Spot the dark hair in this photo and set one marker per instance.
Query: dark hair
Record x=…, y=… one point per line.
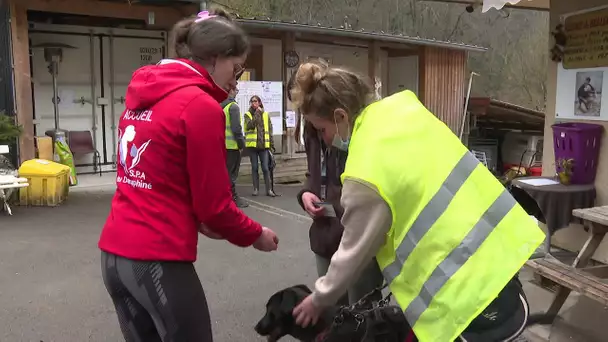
x=320, y=89
x=204, y=40
x=255, y=97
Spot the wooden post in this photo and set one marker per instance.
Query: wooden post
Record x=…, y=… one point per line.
x=23, y=79
x=288, y=43
x=443, y=84
x=421, y=74
x=374, y=65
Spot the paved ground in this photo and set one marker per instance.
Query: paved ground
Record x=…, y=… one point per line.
x=51, y=288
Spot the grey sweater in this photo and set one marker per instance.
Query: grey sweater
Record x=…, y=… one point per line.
x=235, y=122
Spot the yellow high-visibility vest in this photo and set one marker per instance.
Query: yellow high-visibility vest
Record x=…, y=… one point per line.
x=457, y=235
x=251, y=136
x=230, y=141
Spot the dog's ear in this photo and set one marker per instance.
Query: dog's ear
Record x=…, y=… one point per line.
x=303, y=288
x=275, y=299
x=289, y=301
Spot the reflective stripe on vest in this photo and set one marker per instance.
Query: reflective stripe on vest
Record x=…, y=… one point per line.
x=457, y=235
x=230, y=141
x=458, y=256
x=251, y=136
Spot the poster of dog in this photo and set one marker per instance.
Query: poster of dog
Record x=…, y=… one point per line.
x=588, y=97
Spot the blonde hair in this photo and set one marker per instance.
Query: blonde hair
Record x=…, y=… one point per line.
x=320, y=89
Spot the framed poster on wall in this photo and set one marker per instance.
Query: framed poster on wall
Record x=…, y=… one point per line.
x=580, y=94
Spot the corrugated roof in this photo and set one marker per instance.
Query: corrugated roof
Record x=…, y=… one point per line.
x=268, y=23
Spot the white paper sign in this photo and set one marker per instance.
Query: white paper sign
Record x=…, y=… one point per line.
x=539, y=181
x=66, y=98
x=271, y=94
x=290, y=119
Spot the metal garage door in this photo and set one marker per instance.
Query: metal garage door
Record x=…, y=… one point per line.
x=92, y=81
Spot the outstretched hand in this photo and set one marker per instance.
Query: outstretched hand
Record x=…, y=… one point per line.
x=267, y=242
x=307, y=313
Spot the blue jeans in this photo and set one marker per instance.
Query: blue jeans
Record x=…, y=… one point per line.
x=262, y=155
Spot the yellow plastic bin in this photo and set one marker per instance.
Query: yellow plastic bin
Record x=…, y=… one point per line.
x=49, y=183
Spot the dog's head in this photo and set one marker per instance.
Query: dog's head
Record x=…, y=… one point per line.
x=279, y=321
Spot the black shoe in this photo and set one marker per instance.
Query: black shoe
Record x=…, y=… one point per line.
x=240, y=202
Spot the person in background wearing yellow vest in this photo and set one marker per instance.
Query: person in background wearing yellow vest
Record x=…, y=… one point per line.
x=235, y=142
x=258, y=141
x=448, y=237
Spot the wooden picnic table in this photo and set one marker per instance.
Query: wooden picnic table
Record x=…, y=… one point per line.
x=588, y=281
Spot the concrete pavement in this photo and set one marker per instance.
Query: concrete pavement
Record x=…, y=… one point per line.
x=51, y=287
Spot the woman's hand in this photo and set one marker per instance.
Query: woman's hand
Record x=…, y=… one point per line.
x=307, y=313
x=309, y=199
x=209, y=233
x=267, y=242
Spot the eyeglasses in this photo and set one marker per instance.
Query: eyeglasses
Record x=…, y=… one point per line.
x=239, y=70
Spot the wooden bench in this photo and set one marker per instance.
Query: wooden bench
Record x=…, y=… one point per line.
x=587, y=281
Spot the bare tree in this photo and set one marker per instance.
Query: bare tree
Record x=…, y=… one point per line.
x=513, y=69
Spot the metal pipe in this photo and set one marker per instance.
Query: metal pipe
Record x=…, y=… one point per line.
x=112, y=107
x=93, y=87
x=466, y=105
x=54, y=69
x=203, y=5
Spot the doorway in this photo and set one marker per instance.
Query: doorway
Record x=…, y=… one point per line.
x=92, y=79
x=403, y=74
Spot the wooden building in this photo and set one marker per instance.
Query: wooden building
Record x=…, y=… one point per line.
x=109, y=39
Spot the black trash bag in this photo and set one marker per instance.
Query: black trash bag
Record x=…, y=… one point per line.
x=504, y=319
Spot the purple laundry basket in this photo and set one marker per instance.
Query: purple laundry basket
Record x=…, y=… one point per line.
x=581, y=142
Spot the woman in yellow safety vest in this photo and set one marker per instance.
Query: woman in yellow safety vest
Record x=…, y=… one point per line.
x=447, y=235
x=259, y=143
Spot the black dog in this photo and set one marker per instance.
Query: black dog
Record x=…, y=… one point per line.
x=503, y=320
x=279, y=321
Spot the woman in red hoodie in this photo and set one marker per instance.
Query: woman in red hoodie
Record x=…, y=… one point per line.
x=171, y=184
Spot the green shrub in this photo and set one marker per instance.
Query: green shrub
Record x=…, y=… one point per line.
x=9, y=130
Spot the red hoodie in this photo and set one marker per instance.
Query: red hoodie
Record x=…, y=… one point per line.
x=172, y=172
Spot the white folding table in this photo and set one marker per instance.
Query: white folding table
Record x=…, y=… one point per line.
x=8, y=183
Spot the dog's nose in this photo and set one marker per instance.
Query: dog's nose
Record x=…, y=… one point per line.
x=261, y=329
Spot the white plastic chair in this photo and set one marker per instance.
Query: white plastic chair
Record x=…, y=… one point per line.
x=481, y=156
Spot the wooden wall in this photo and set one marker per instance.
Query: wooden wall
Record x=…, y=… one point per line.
x=443, y=84
x=23, y=79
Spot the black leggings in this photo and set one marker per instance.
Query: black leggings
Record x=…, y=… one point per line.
x=157, y=301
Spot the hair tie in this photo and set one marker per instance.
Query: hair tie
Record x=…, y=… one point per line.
x=204, y=15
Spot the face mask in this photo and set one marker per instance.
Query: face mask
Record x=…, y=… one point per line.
x=338, y=142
